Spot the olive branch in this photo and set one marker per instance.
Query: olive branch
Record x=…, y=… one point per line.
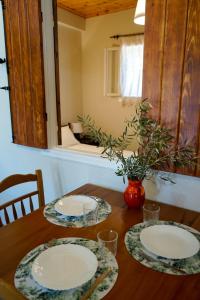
x=157, y=148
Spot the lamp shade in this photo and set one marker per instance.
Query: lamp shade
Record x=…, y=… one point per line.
x=139, y=17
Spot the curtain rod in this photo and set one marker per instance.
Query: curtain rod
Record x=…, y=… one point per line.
x=124, y=35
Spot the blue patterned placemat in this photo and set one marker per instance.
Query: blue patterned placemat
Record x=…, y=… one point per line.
x=176, y=267
x=25, y=283
x=104, y=209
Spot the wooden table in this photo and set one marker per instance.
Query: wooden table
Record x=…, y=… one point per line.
x=134, y=281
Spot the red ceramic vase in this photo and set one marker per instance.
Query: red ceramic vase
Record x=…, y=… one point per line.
x=134, y=195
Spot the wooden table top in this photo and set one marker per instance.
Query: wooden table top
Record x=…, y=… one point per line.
x=135, y=281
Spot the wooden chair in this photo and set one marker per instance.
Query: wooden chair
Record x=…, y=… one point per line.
x=8, y=292
x=18, y=179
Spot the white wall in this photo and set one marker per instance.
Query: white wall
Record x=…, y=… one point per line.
x=74, y=21
x=62, y=175
x=69, y=45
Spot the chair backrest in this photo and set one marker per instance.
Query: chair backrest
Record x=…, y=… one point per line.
x=14, y=180
x=8, y=292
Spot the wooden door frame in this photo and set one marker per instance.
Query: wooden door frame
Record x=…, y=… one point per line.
x=56, y=61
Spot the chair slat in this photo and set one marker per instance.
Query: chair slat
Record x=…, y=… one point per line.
x=40, y=188
x=31, y=204
x=18, y=179
x=14, y=211
x=23, y=209
x=18, y=199
x=6, y=216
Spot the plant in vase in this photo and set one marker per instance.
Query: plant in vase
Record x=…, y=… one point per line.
x=156, y=150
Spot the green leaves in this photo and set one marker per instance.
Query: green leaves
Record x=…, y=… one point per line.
x=157, y=146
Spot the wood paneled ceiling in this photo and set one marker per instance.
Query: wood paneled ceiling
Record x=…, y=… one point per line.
x=92, y=8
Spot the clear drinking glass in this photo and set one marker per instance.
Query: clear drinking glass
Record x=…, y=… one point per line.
x=108, y=239
x=90, y=216
x=151, y=212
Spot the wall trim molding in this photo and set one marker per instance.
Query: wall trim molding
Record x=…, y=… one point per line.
x=80, y=157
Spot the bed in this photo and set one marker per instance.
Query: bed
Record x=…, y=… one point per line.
x=70, y=143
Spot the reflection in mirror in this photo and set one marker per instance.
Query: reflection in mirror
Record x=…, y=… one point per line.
x=86, y=85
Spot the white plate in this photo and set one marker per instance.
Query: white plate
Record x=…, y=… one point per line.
x=64, y=267
x=73, y=205
x=169, y=241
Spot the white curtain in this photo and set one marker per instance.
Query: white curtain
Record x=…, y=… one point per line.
x=131, y=66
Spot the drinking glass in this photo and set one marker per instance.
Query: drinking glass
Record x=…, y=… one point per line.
x=90, y=216
x=108, y=239
x=151, y=212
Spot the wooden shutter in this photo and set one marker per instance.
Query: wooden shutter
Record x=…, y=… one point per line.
x=23, y=32
x=172, y=66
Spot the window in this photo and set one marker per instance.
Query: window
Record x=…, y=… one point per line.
x=131, y=66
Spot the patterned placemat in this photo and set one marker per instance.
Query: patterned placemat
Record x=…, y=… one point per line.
x=176, y=267
x=25, y=283
x=104, y=209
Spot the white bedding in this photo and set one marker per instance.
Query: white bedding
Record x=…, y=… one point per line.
x=90, y=149
x=69, y=142
x=87, y=148
x=83, y=148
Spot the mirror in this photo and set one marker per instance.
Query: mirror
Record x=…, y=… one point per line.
x=89, y=68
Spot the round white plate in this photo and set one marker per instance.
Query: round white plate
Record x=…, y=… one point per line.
x=169, y=241
x=72, y=206
x=64, y=267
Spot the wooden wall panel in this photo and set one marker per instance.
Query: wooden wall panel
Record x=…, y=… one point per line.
x=174, y=46
x=153, y=54
x=26, y=78
x=190, y=106
x=173, y=57
x=172, y=68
